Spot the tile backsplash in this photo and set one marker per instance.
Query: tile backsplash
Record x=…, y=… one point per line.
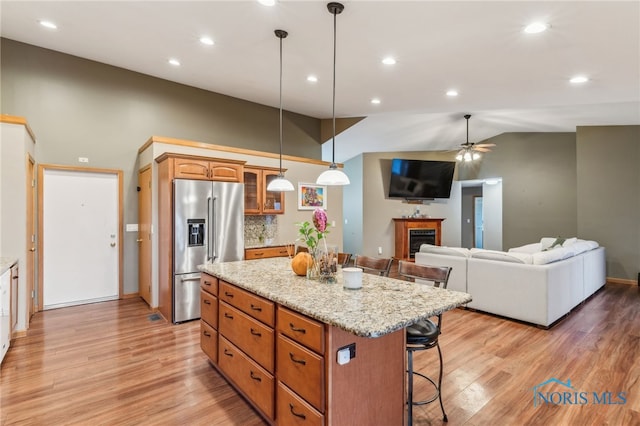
x=259, y=229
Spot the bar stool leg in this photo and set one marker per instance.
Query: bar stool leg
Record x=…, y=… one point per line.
x=410, y=386
x=444, y=418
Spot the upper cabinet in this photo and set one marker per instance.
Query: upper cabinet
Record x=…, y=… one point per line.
x=257, y=200
x=192, y=167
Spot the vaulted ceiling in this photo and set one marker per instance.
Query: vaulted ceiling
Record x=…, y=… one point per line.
x=507, y=79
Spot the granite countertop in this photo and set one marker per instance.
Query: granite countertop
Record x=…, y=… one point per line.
x=382, y=306
x=6, y=263
x=265, y=245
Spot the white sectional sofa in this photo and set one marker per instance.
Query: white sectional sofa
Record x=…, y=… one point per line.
x=534, y=283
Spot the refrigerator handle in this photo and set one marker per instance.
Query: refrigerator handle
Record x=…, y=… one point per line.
x=213, y=252
x=209, y=225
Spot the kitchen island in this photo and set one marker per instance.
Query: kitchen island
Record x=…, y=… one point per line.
x=305, y=352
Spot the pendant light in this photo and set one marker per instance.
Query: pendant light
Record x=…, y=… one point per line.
x=333, y=176
x=280, y=184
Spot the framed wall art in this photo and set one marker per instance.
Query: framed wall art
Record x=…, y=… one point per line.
x=311, y=196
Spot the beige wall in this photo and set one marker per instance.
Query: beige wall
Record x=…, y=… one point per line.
x=609, y=194
x=81, y=108
x=538, y=172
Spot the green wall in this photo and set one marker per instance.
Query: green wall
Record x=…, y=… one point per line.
x=81, y=108
x=609, y=194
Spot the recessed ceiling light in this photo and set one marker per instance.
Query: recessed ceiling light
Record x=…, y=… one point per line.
x=536, y=27
x=375, y=101
x=174, y=62
x=389, y=61
x=267, y=2
x=48, y=24
x=312, y=79
x=452, y=93
x=579, y=79
x=206, y=40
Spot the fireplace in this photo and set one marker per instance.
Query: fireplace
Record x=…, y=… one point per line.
x=417, y=237
x=412, y=232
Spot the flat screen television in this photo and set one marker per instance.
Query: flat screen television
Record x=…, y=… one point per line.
x=421, y=179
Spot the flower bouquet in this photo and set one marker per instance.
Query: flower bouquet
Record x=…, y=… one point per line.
x=324, y=262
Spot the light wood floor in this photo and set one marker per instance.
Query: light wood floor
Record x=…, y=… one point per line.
x=109, y=364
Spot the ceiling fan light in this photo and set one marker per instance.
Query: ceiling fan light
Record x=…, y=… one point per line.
x=459, y=157
x=333, y=176
x=476, y=156
x=467, y=156
x=280, y=184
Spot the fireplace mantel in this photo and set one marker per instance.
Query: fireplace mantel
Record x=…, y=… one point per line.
x=405, y=224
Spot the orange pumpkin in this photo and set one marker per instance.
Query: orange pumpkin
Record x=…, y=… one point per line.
x=301, y=262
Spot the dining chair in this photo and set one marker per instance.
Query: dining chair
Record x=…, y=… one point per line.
x=424, y=334
x=373, y=265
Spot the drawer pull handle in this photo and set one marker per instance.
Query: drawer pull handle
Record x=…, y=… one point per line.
x=260, y=253
x=206, y=333
x=207, y=283
x=254, y=377
x=256, y=333
x=206, y=302
x=299, y=361
x=297, y=330
x=226, y=315
x=256, y=308
x=227, y=353
x=302, y=416
x=228, y=294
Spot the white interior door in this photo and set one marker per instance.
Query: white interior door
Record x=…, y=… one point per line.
x=80, y=237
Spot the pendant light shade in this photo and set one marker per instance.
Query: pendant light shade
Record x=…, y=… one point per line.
x=280, y=184
x=334, y=176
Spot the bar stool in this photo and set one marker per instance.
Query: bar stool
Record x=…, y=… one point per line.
x=376, y=265
x=344, y=259
x=424, y=334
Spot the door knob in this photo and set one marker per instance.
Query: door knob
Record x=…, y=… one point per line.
x=32, y=249
x=113, y=244
x=139, y=240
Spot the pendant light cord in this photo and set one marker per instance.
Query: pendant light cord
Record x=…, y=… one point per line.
x=333, y=111
x=281, y=106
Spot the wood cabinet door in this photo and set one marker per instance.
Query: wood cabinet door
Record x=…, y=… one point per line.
x=252, y=191
x=225, y=172
x=273, y=202
x=191, y=168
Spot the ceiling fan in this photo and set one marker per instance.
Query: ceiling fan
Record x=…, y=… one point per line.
x=472, y=151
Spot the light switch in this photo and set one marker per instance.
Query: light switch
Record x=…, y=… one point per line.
x=343, y=356
x=131, y=227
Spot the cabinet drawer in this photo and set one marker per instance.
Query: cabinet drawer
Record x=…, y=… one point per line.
x=265, y=252
x=291, y=410
x=259, y=308
x=253, y=337
x=209, y=284
x=256, y=383
x=209, y=341
x=302, y=329
x=209, y=308
x=301, y=370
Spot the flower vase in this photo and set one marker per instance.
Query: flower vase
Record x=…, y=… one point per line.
x=313, y=266
x=326, y=262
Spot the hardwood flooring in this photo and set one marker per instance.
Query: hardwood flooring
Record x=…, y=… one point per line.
x=109, y=364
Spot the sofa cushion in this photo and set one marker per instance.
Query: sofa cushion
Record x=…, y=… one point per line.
x=513, y=257
x=450, y=251
x=581, y=246
x=569, y=241
x=549, y=243
x=553, y=255
x=528, y=248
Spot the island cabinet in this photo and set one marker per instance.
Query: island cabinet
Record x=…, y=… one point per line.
x=285, y=363
x=209, y=316
x=257, y=200
x=246, y=350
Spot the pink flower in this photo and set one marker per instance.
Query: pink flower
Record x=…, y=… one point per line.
x=320, y=220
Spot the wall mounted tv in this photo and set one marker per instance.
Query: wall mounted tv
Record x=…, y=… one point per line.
x=421, y=179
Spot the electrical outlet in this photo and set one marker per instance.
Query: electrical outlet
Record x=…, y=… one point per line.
x=346, y=353
x=83, y=160
x=379, y=250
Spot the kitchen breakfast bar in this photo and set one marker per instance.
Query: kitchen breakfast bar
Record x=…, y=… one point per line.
x=305, y=352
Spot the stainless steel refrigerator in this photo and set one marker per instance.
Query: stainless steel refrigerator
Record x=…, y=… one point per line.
x=208, y=227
